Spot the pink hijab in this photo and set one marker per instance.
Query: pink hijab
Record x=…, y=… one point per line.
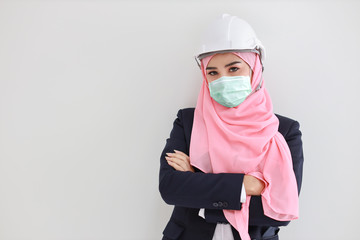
x=245, y=139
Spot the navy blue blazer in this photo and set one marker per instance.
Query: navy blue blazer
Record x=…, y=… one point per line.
x=190, y=191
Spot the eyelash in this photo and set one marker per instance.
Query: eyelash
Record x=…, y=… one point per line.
x=236, y=68
x=232, y=69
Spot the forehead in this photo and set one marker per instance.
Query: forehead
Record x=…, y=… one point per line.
x=222, y=59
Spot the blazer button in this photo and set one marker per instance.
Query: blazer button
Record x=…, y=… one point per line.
x=215, y=204
x=220, y=204
x=225, y=204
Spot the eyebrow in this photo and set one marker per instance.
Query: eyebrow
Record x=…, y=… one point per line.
x=227, y=65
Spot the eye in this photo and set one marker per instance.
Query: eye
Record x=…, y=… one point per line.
x=233, y=69
x=212, y=73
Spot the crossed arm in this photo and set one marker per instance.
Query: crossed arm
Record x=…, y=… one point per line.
x=181, y=162
x=182, y=185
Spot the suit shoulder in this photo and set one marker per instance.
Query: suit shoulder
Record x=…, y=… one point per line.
x=285, y=119
x=286, y=123
x=186, y=113
x=187, y=110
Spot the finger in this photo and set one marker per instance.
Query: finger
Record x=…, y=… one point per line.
x=183, y=154
x=179, y=156
x=175, y=166
x=179, y=162
x=178, y=153
x=182, y=166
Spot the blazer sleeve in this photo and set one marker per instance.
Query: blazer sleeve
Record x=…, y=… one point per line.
x=198, y=189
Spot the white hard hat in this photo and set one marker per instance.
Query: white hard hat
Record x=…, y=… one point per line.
x=228, y=34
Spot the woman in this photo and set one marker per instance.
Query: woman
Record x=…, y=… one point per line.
x=231, y=167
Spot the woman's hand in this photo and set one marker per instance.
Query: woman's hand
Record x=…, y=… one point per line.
x=179, y=161
x=253, y=186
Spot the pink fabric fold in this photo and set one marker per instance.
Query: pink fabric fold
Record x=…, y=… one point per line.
x=245, y=139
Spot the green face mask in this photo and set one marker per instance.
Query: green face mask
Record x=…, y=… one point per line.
x=230, y=91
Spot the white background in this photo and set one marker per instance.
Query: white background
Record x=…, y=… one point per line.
x=89, y=91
